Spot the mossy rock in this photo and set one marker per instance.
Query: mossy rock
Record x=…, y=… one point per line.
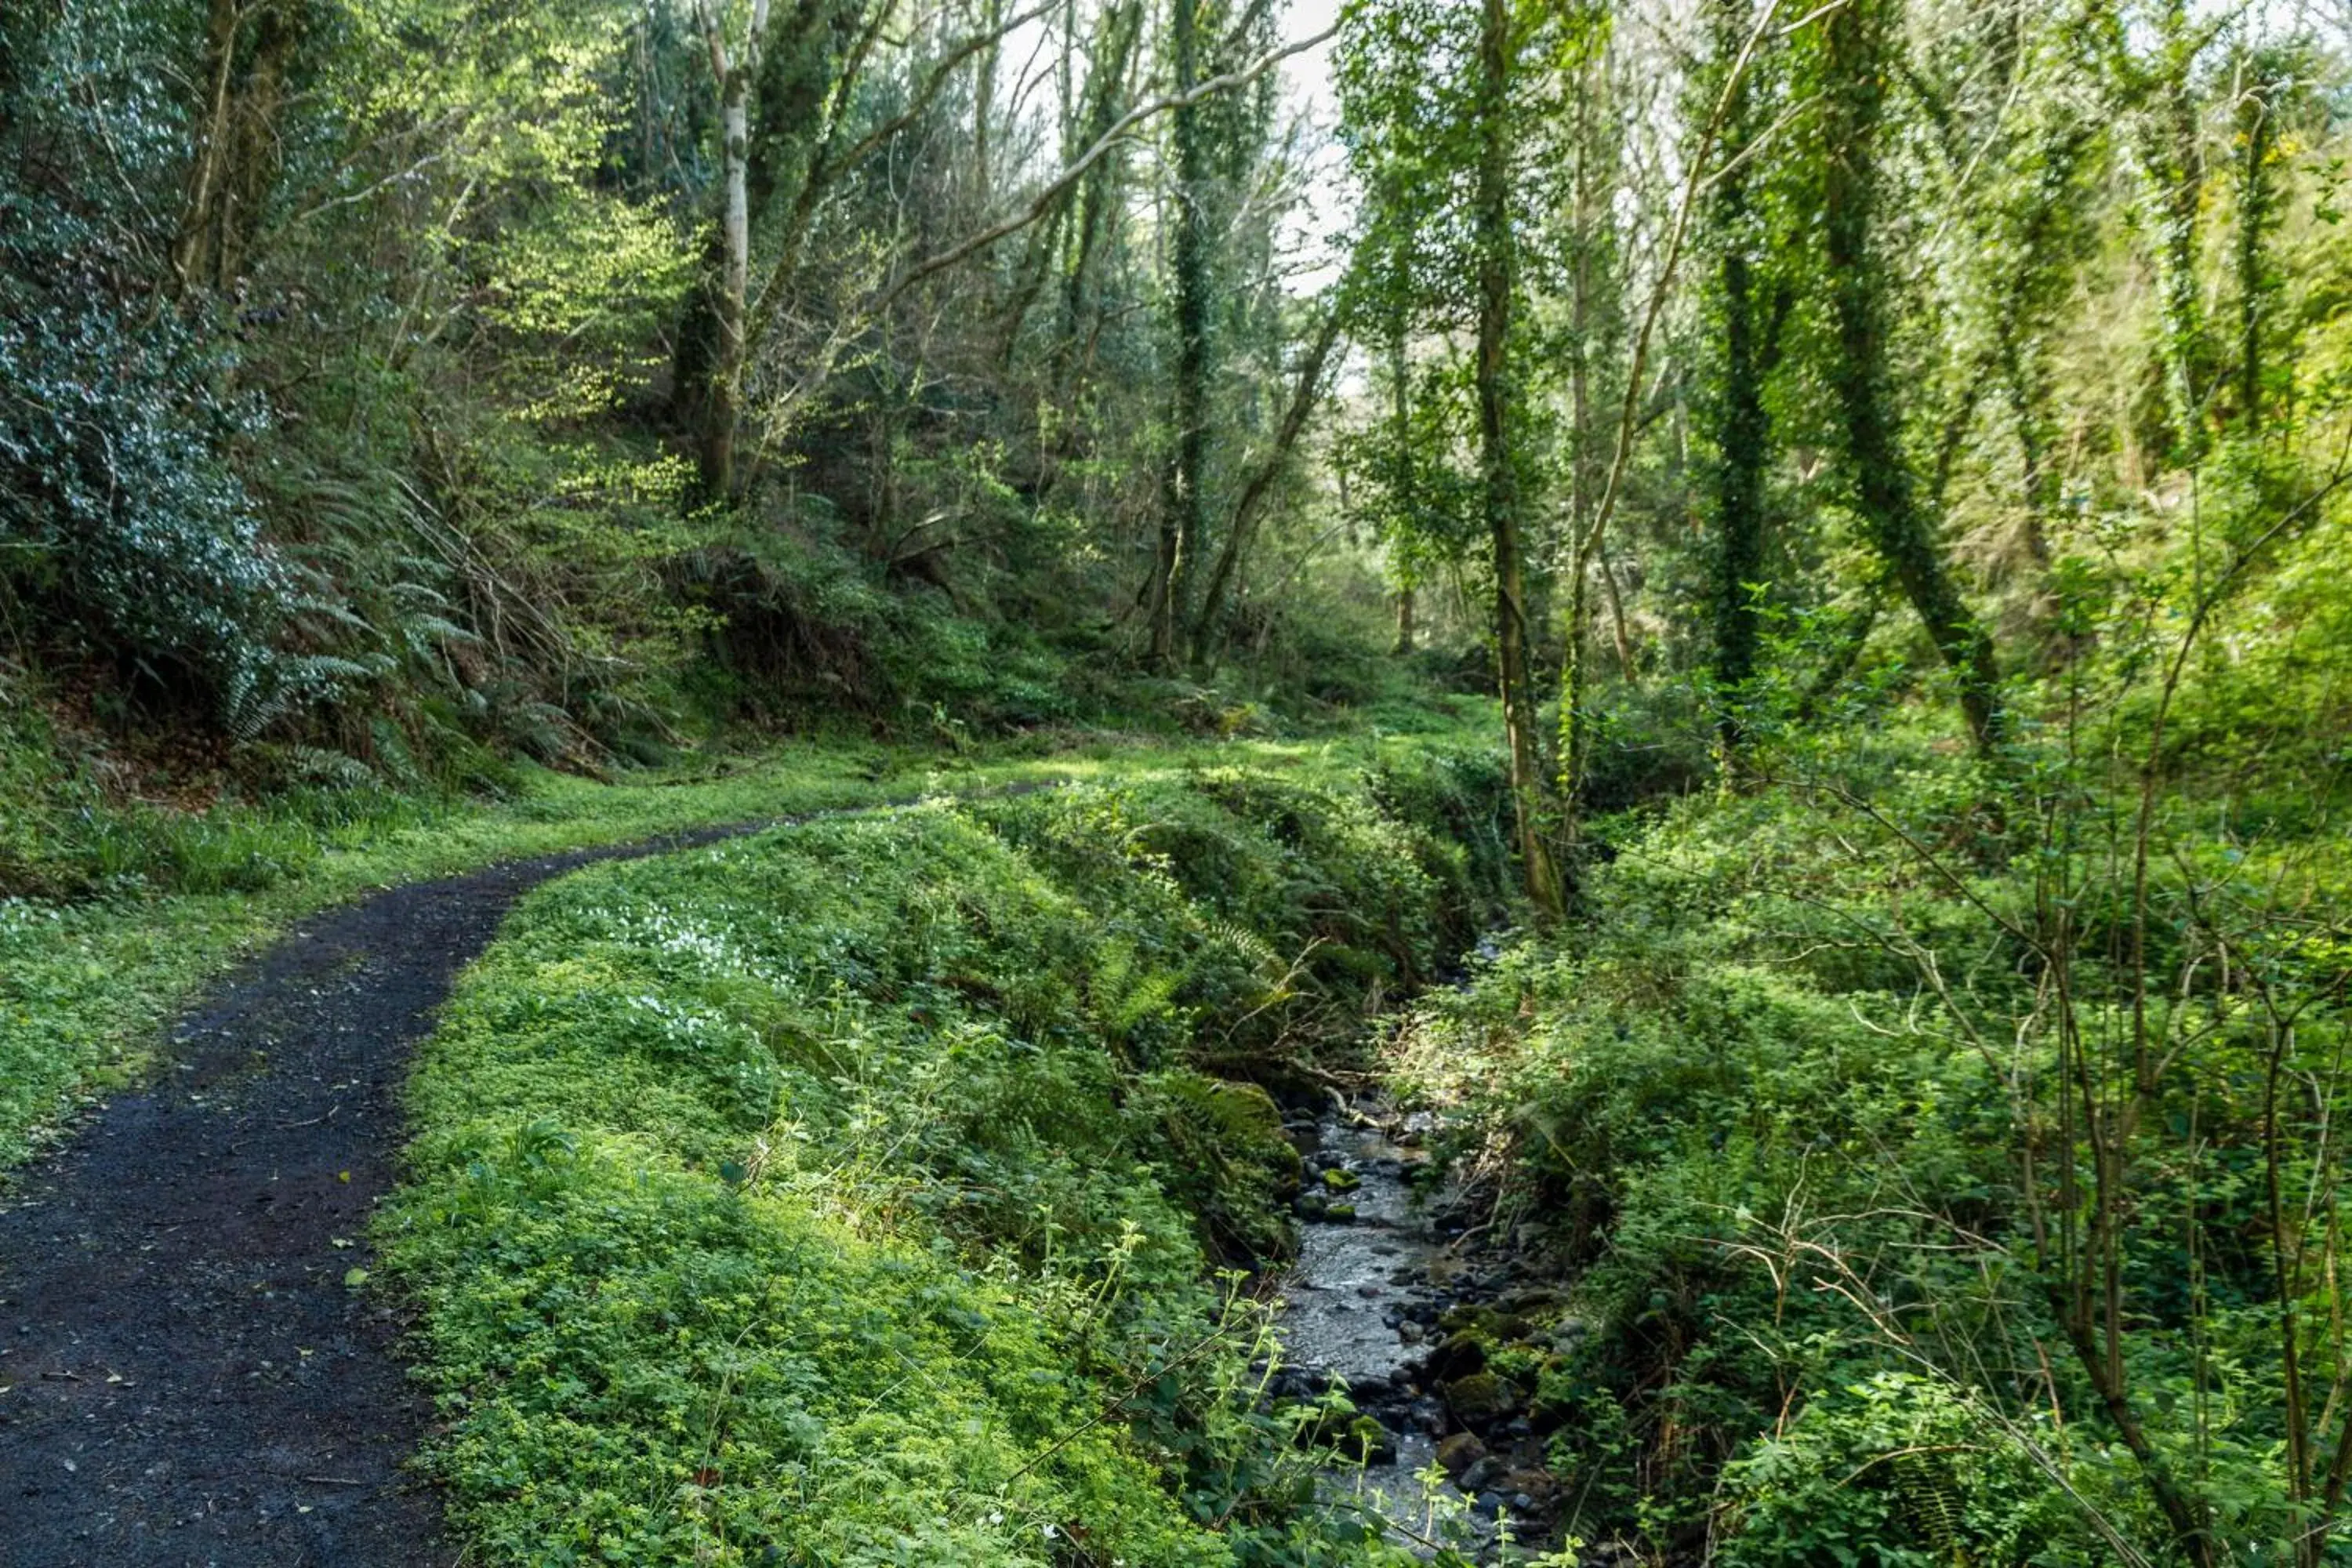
x=1458, y=1355
x=1342, y=1181
x=1459, y=1452
x=1481, y=1397
x=1340, y=1213
x=1365, y=1441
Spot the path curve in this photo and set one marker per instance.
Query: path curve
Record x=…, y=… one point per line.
x=188, y=1381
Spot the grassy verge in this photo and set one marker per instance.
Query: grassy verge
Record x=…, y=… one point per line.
x=847, y=1195
x=85, y=985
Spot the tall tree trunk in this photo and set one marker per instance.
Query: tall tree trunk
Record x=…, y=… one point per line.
x=1582, y=483
x=1403, y=482
x=2257, y=204
x=1742, y=426
x=1183, y=514
x=1593, y=311
x=722, y=407
x=250, y=47
x=1105, y=94
x=984, y=110
x=199, y=215
x=1860, y=378
x=2172, y=165
x=1492, y=222
x=721, y=414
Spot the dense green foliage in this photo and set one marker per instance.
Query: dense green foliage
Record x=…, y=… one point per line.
x=1889, y=459
x=1832, y=1106
x=360, y=358
x=1935, y=454
x=841, y=1196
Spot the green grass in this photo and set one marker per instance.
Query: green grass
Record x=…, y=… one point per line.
x=86, y=984
x=846, y=1194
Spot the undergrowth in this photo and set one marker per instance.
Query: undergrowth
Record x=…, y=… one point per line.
x=1795, y=1111
x=850, y=1194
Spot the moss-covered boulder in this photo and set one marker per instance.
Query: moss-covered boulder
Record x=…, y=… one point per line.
x=1458, y=1355
x=1481, y=1398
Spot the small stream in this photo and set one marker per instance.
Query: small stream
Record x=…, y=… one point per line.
x=1360, y=1305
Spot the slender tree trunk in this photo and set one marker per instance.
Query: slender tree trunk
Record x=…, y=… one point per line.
x=191, y=251
x=1860, y=378
x=721, y=408
x=1492, y=219
x=1183, y=508
x=1403, y=480
x=984, y=111
x=1621, y=634
x=250, y=48
x=1742, y=429
x=2173, y=168
x=1105, y=91
x=1259, y=488
x=1583, y=481
x=720, y=413
x=2257, y=199
x=1594, y=308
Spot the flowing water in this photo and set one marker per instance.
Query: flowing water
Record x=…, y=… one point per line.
x=1357, y=1307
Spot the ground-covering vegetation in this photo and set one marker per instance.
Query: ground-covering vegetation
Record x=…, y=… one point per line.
x=174, y=897
x=847, y=1194
x=1886, y=462
x=1926, y=1105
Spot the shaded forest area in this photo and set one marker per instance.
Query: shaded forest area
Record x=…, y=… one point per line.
x=1885, y=460
x=395, y=389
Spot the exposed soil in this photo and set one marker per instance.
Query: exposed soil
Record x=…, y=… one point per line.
x=184, y=1376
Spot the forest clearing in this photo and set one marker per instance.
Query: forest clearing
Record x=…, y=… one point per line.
x=1191, y=784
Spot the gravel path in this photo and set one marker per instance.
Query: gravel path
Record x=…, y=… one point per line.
x=184, y=1376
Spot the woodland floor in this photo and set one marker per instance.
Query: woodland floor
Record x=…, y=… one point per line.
x=185, y=1377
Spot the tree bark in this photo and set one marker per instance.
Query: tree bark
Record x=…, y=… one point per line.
x=722, y=406
x=1861, y=377
x=1742, y=432
x=250, y=47
x=1259, y=490
x=2257, y=203
x=1492, y=223
x=1183, y=508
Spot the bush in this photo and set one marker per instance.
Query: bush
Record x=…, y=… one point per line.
x=1893, y=1471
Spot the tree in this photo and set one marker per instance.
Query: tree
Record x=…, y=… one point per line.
x=1183, y=506
x=251, y=57
x=1751, y=305
x=1855, y=58
x=1495, y=247
x=733, y=66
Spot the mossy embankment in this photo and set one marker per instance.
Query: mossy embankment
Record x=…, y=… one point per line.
x=853, y=1193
